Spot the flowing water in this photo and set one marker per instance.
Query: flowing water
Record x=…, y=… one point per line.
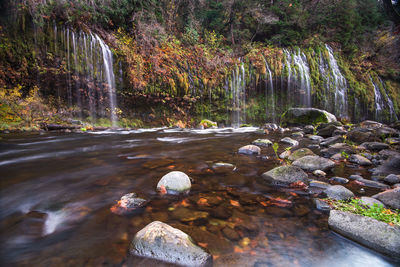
x=57, y=191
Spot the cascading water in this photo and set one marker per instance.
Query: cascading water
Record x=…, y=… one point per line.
x=383, y=103
x=269, y=94
x=238, y=91
x=89, y=67
x=334, y=82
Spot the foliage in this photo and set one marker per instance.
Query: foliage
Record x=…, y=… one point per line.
x=375, y=211
x=275, y=147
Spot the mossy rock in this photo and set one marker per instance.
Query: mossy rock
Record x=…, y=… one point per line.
x=208, y=123
x=299, y=153
x=306, y=116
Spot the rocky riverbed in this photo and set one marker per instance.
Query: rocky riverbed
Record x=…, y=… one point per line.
x=240, y=203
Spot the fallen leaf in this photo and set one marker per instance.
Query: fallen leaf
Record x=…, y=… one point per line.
x=234, y=203
x=163, y=190
x=238, y=249
x=202, y=202
x=203, y=245
x=171, y=167
x=264, y=203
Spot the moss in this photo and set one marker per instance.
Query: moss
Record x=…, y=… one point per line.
x=310, y=117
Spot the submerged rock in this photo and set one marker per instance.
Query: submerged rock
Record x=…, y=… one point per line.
x=339, y=192
x=162, y=242
x=222, y=167
x=299, y=153
x=290, y=141
x=312, y=163
x=128, y=203
x=390, y=198
x=262, y=142
x=174, y=182
x=367, y=231
x=250, y=150
x=285, y=175
x=305, y=116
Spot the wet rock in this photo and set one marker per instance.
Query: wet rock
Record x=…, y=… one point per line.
x=339, y=131
x=337, y=156
x=278, y=212
x=271, y=127
x=393, y=141
x=321, y=205
x=299, y=153
x=314, y=146
x=174, y=182
x=187, y=215
x=390, y=166
x=392, y=179
x=285, y=154
x=360, y=160
x=332, y=140
x=305, y=116
x=369, y=201
x=337, y=148
x=319, y=173
x=329, y=130
x=163, y=242
x=230, y=234
x=262, y=142
x=301, y=210
x=390, y=198
x=222, y=167
x=316, y=138
x=128, y=203
x=298, y=134
x=290, y=141
x=367, y=231
x=374, y=146
x=370, y=125
x=312, y=163
x=308, y=129
x=285, y=175
x=387, y=153
x=360, y=135
x=339, y=192
x=368, y=183
x=339, y=180
x=385, y=131
x=250, y=150
x=208, y=124
x=157, y=163
x=221, y=212
x=295, y=129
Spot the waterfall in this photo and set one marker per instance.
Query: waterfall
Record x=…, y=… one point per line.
x=334, y=82
x=238, y=91
x=269, y=97
x=288, y=66
x=303, y=72
x=380, y=105
x=89, y=67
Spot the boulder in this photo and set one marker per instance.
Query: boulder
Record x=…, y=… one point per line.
x=360, y=135
x=312, y=163
x=162, y=242
x=329, y=130
x=174, y=182
x=250, y=150
x=316, y=138
x=308, y=129
x=332, y=140
x=262, y=142
x=290, y=141
x=298, y=134
x=299, y=153
x=367, y=231
x=374, y=146
x=339, y=192
x=337, y=148
x=390, y=198
x=360, y=160
x=305, y=116
x=389, y=166
x=285, y=175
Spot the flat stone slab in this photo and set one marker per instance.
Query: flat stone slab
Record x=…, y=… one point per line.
x=367, y=231
x=390, y=198
x=285, y=175
x=312, y=163
x=163, y=242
